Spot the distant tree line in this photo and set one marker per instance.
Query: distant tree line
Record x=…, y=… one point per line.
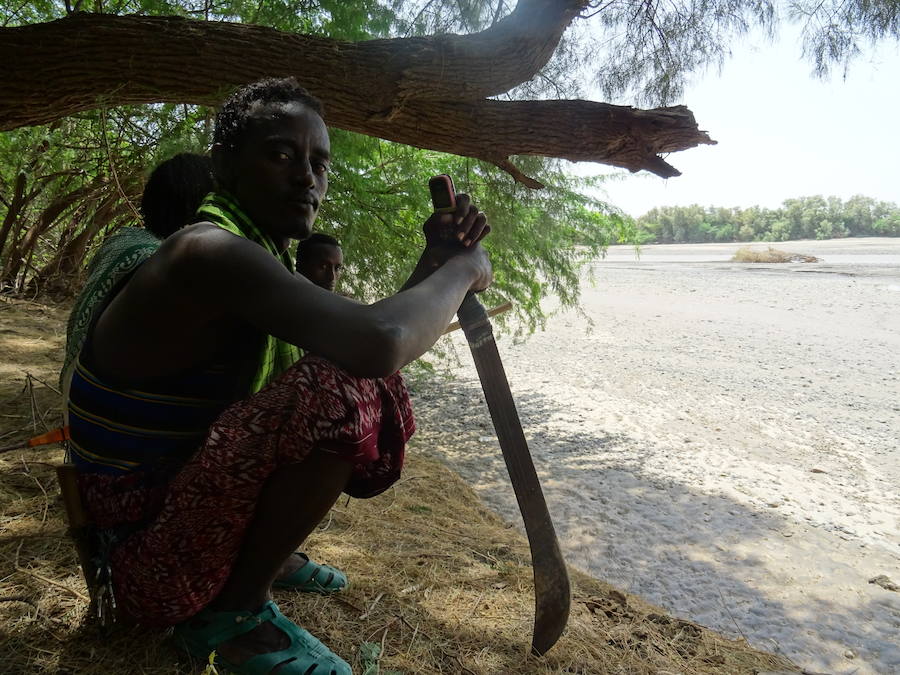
x=801, y=218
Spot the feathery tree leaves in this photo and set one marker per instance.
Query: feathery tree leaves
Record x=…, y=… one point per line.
x=65, y=185
x=800, y=218
x=377, y=202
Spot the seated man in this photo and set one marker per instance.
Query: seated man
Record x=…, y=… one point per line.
x=321, y=260
x=207, y=452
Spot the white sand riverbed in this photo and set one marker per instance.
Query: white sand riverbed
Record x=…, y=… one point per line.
x=724, y=441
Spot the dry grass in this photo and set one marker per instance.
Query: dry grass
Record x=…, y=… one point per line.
x=771, y=255
x=437, y=580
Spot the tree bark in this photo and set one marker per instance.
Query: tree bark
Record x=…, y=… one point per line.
x=428, y=92
x=13, y=210
x=56, y=274
x=580, y=131
x=19, y=252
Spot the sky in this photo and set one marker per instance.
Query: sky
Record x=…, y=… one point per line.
x=781, y=133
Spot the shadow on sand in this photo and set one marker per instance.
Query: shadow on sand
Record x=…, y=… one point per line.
x=664, y=540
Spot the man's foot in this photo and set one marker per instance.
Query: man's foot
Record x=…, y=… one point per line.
x=261, y=643
x=302, y=574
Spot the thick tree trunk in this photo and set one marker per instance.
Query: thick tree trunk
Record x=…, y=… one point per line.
x=426, y=92
x=21, y=251
x=86, y=59
x=14, y=209
x=56, y=275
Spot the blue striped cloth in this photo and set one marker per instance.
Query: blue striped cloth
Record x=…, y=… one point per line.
x=116, y=430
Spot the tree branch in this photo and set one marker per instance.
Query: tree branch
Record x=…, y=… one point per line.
x=580, y=131
x=144, y=59
x=428, y=92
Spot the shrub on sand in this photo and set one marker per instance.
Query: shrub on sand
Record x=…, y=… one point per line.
x=747, y=254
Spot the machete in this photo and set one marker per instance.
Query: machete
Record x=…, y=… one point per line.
x=552, y=593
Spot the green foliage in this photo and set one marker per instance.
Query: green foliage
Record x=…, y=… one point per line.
x=67, y=185
x=370, y=660
x=887, y=225
x=648, y=47
x=836, y=30
x=802, y=218
x=378, y=200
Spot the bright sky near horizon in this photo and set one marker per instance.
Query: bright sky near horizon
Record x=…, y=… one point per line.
x=781, y=133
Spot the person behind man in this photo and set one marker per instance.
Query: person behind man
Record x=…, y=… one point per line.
x=169, y=201
x=173, y=192
x=206, y=451
x=321, y=260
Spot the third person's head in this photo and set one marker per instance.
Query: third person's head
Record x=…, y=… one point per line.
x=320, y=259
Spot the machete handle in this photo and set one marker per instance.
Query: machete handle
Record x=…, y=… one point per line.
x=443, y=193
x=474, y=320
x=471, y=311
x=443, y=199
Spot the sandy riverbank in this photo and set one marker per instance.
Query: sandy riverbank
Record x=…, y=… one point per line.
x=439, y=582
x=724, y=441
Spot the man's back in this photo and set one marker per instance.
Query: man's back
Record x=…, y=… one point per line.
x=174, y=314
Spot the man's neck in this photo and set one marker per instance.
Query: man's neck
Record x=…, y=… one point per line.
x=281, y=243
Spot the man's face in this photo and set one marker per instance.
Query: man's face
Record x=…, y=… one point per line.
x=279, y=171
x=322, y=264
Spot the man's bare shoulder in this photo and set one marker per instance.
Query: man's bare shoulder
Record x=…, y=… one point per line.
x=200, y=239
x=205, y=248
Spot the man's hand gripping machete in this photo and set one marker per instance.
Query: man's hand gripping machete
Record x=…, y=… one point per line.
x=551, y=581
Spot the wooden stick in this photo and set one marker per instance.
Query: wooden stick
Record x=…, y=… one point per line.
x=46, y=580
x=499, y=309
x=35, y=377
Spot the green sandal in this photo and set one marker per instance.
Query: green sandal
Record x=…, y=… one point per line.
x=304, y=656
x=311, y=577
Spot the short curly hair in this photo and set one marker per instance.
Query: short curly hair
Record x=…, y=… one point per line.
x=234, y=115
x=315, y=239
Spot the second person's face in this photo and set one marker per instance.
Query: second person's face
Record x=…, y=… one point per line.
x=322, y=266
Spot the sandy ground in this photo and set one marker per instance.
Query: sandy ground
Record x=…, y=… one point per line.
x=723, y=441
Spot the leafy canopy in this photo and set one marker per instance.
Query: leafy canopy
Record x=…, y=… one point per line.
x=67, y=185
x=800, y=218
x=377, y=200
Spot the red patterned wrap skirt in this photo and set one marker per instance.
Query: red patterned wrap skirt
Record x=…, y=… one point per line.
x=170, y=569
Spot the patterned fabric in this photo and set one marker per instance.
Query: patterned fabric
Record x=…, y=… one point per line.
x=117, y=430
x=119, y=256
x=175, y=565
x=222, y=209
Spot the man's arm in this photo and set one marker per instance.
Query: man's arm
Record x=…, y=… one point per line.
x=184, y=305
x=229, y=276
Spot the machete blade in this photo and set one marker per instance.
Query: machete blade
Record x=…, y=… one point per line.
x=552, y=592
